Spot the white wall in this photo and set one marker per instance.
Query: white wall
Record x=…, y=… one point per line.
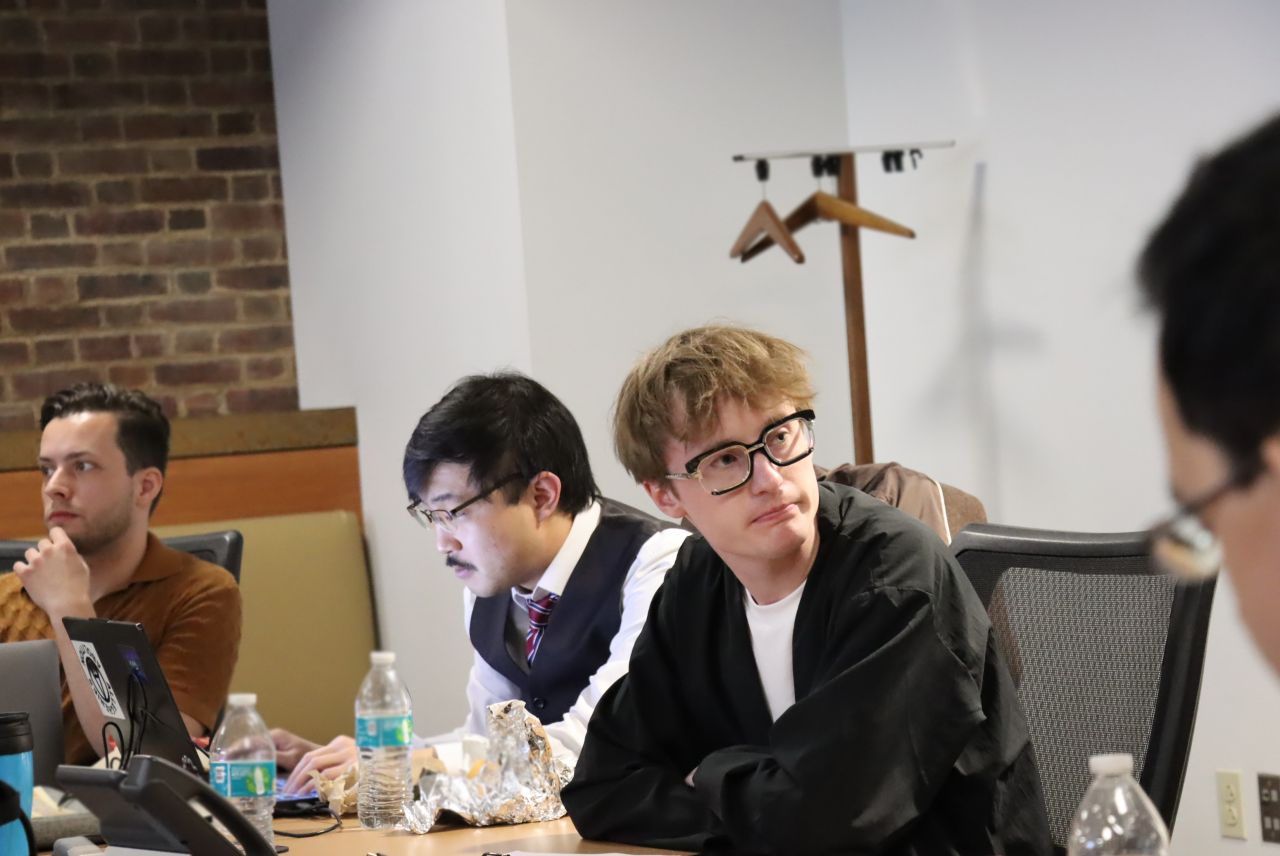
x=398, y=155
x=627, y=115
x=547, y=185
x=1027, y=377
x=1235, y=730
x=409, y=269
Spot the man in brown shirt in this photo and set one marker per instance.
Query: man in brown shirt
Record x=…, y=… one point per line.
x=103, y=453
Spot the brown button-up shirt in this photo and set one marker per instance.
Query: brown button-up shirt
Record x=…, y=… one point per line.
x=190, y=610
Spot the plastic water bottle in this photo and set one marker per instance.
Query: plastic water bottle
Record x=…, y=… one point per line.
x=242, y=762
x=1116, y=818
x=384, y=734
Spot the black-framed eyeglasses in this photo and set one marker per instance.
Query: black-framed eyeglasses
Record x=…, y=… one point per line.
x=1181, y=543
x=730, y=466
x=446, y=519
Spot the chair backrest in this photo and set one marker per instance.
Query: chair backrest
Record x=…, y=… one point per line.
x=944, y=508
x=1107, y=653
x=224, y=549
x=12, y=551
x=316, y=564
x=963, y=508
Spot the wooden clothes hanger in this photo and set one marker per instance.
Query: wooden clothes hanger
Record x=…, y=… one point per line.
x=766, y=226
x=842, y=207
x=824, y=206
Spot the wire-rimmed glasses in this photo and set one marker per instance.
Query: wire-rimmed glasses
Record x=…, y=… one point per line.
x=446, y=519
x=730, y=466
x=1181, y=543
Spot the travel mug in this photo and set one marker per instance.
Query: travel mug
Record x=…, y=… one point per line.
x=17, y=771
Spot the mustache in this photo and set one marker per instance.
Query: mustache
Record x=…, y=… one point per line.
x=451, y=562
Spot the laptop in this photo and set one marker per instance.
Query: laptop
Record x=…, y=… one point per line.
x=33, y=683
x=122, y=669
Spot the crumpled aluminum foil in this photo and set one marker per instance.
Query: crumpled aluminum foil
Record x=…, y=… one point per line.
x=518, y=782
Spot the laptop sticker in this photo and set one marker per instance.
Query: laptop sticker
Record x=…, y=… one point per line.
x=97, y=677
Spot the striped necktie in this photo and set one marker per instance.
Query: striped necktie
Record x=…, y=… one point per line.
x=539, y=616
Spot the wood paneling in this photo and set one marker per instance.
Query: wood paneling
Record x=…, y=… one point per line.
x=218, y=488
x=221, y=435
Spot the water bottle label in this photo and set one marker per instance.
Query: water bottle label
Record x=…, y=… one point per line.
x=379, y=732
x=243, y=778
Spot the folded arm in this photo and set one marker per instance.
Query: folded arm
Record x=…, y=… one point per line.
x=856, y=762
x=849, y=766
x=629, y=784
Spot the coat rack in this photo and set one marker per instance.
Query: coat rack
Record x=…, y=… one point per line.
x=763, y=231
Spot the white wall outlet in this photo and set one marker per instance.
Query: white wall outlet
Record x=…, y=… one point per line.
x=1230, y=805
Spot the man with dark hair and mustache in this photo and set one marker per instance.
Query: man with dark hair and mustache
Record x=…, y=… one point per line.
x=103, y=453
x=1211, y=272
x=558, y=578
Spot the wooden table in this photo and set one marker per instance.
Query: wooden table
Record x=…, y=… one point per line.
x=554, y=836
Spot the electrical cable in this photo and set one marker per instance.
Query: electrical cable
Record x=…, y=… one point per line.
x=337, y=824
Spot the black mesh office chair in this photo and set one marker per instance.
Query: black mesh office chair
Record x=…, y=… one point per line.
x=1107, y=653
x=224, y=549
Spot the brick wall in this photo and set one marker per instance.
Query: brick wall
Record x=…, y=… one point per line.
x=141, y=225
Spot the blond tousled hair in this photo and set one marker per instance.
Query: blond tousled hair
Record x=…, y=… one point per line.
x=673, y=391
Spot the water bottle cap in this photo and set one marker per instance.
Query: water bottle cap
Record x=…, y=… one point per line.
x=382, y=658
x=1111, y=765
x=243, y=700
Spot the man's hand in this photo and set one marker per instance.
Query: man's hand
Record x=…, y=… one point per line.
x=290, y=748
x=55, y=577
x=330, y=760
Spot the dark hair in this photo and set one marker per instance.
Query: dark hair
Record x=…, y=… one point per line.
x=1211, y=270
x=142, y=430
x=497, y=425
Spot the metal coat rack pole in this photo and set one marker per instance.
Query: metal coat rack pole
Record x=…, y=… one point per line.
x=855, y=319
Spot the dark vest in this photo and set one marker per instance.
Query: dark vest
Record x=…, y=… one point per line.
x=576, y=642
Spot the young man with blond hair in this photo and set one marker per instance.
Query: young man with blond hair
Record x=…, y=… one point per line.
x=816, y=674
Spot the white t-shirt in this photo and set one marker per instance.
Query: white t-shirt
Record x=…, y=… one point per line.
x=771, y=630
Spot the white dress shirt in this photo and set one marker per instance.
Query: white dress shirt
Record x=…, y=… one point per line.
x=486, y=686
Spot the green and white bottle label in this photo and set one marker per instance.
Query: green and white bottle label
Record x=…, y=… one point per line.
x=379, y=732
x=243, y=778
